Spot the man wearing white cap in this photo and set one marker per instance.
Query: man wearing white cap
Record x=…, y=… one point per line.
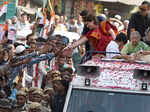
x=24, y=77
x=20, y=49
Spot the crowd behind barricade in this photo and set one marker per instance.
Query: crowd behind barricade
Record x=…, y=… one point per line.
x=37, y=66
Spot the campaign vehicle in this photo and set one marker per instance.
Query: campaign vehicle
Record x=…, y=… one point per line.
x=110, y=85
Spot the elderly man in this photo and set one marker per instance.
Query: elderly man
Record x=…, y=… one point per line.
x=135, y=44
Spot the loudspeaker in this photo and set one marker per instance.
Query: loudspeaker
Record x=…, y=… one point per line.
x=88, y=71
x=141, y=74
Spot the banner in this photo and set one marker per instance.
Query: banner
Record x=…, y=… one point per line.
x=3, y=8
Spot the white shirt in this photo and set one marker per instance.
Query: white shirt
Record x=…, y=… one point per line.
x=112, y=47
x=23, y=30
x=80, y=28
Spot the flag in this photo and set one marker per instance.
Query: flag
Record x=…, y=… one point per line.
x=3, y=8
x=52, y=18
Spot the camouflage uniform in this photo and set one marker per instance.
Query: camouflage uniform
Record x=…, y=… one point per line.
x=20, y=108
x=17, y=108
x=5, y=105
x=35, y=105
x=40, y=92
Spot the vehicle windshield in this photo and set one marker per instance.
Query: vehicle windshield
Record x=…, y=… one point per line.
x=100, y=101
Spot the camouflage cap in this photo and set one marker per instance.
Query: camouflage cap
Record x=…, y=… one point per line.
x=32, y=89
x=26, y=90
x=55, y=72
x=21, y=93
x=34, y=105
x=48, y=89
x=38, y=92
x=57, y=79
x=46, y=95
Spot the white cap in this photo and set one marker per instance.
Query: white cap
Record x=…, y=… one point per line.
x=126, y=21
x=20, y=49
x=104, y=16
x=118, y=17
x=105, y=9
x=116, y=24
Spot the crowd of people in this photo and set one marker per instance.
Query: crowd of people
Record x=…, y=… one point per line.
x=37, y=64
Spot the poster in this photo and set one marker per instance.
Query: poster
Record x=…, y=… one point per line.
x=12, y=29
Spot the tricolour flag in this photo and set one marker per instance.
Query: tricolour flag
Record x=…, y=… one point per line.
x=3, y=8
x=52, y=18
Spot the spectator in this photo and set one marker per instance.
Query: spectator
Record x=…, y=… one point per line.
x=71, y=25
x=14, y=92
x=80, y=25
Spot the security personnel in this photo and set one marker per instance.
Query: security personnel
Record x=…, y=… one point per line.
x=5, y=105
x=21, y=105
x=37, y=96
x=60, y=95
x=55, y=73
x=30, y=96
x=35, y=107
x=50, y=76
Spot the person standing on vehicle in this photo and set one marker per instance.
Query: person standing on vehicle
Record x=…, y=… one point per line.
x=114, y=47
x=139, y=21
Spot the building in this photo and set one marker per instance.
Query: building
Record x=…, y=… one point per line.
x=74, y=7
x=121, y=7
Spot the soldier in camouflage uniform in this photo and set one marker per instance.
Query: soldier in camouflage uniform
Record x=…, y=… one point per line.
x=30, y=96
x=34, y=107
x=37, y=96
x=5, y=105
x=50, y=93
x=21, y=105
